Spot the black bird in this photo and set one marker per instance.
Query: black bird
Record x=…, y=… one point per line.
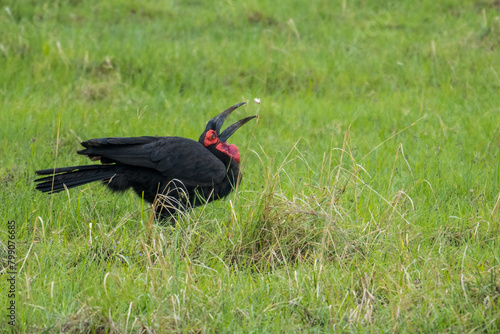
x=172, y=173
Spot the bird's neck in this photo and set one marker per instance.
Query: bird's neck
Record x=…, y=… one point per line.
x=229, y=150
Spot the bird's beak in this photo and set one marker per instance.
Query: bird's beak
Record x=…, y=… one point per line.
x=216, y=122
x=231, y=129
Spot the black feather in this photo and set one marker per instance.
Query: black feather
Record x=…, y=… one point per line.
x=72, y=177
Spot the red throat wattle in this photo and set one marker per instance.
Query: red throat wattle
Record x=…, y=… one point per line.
x=230, y=150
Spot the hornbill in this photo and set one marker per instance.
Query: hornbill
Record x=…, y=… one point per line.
x=172, y=173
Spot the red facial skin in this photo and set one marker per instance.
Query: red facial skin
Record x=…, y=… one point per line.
x=231, y=150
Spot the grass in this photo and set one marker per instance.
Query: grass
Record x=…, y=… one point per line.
x=370, y=199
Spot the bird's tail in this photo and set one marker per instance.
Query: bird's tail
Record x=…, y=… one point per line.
x=69, y=177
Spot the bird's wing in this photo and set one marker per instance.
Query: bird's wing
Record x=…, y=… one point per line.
x=188, y=161
x=174, y=157
x=134, y=150
x=120, y=141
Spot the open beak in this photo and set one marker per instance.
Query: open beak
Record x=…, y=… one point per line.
x=217, y=122
x=231, y=129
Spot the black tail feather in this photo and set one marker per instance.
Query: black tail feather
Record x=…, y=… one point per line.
x=70, y=177
x=52, y=171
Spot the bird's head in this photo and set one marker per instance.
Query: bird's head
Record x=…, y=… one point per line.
x=215, y=141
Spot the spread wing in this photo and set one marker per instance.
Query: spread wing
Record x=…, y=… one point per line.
x=174, y=157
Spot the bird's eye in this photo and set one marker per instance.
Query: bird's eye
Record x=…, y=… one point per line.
x=213, y=135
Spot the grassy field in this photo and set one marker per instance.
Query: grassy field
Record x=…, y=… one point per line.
x=370, y=198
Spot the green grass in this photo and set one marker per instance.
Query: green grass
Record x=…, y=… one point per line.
x=370, y=198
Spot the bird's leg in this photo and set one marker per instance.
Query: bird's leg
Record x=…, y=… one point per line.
x=166, y=209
